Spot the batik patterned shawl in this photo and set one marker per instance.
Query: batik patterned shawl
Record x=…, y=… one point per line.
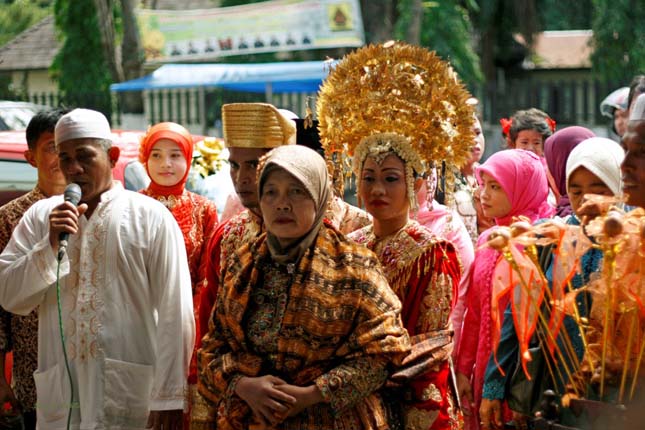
x=341, y=319
x=242, y=228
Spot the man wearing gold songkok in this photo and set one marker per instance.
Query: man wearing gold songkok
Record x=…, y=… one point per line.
x=396, y=109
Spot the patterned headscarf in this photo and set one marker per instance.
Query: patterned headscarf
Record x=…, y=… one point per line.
x=556, y=151
x=309, y=168
x=179, y=135
x=523, y=179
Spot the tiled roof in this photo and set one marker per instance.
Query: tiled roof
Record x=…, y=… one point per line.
x=569, y=49
x=34, y=48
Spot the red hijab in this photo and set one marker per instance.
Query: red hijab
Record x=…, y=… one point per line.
x=179, y=135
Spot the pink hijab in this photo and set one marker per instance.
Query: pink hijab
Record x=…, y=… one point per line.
x=522, y=176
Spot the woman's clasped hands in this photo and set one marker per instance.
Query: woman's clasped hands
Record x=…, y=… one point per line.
x=272, y=400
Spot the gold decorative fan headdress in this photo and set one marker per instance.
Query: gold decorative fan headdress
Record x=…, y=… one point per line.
x=380, y=91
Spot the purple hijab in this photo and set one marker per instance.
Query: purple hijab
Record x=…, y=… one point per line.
x=556, y=151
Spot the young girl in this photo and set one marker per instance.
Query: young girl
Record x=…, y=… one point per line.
x=166, y=152
x=503, y=179
x=593, y=167
x=528, y=129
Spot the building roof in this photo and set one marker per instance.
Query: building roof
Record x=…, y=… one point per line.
x=33, y=49
x=570, y=49
x=36, y=47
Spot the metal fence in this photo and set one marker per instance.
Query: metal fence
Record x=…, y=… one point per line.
x=203, y=106
x=568, y=102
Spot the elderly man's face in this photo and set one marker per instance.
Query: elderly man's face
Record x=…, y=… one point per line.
x=87, y=163
x=633, y=166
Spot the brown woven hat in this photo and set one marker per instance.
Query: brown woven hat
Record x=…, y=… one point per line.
x=256, y=125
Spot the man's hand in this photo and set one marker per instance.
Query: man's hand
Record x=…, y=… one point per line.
x=465, y=392
x=490, y=413
x=269, y=404
x=166, y=420
x=64, y=218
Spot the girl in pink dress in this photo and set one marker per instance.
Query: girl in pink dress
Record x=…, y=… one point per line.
x=513, y=183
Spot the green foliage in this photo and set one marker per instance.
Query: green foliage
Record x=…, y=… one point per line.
x=565, y=14
x=80, y=67
x=17, y=16
x=618, y=40
x=446, y=29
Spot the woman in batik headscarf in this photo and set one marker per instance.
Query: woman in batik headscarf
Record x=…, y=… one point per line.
x=305, y=326
x=397, y=109
x=166, y=151
x=503, y=179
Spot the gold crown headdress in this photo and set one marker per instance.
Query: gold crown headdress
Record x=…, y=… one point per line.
x=394, y=88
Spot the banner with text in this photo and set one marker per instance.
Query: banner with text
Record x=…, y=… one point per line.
x=279, y=25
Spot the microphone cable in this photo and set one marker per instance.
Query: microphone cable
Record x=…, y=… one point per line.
x=62, y=339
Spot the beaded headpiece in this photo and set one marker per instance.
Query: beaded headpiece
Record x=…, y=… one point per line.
x=400, y=97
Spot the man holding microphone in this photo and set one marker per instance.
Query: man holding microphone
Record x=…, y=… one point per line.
x=116, y=327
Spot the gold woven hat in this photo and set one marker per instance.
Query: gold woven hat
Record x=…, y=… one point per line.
x=256, y=125
x=395, y=88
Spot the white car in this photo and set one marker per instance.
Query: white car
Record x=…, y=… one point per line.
x=16, y=115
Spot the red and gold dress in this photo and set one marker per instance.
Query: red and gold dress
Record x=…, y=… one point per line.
x=197, y=219
x=424, y=273
x=230, y=235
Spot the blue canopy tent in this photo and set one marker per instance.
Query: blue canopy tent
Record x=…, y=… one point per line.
x=261, y=78
x=267, y=78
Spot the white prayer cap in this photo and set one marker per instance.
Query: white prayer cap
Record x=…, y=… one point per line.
x=638, y=109
x=81, y=124
x=602, y=157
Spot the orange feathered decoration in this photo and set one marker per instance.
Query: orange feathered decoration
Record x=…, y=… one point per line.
x=516, y=273
x=571, y=245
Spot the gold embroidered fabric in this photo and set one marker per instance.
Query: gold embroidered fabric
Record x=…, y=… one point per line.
x=419, y=419
x=431, y=392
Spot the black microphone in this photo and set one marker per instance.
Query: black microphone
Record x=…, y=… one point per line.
x=72, y=194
